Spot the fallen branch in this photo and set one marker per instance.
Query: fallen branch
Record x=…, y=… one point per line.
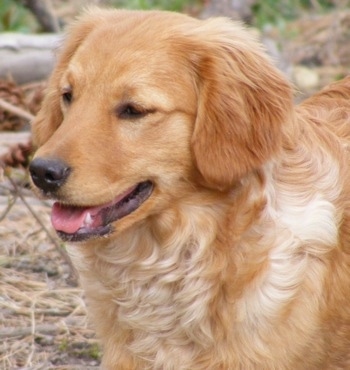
x=16, y=110
x=6, y=333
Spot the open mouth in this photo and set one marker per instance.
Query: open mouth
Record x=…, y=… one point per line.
x=81, y=223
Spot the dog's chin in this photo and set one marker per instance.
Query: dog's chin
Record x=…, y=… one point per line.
x=78, y=223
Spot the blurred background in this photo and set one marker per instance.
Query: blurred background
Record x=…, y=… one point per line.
x=43, y=321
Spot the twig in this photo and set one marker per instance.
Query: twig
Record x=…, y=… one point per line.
x=39, y=311
x=16, y=110
x=62, y=252
x=10, y=204
x=6, y=333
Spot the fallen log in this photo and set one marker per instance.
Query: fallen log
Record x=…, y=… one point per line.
x=27, y=58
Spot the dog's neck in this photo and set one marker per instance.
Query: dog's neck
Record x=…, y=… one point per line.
x=178, y=278
x=168, y=279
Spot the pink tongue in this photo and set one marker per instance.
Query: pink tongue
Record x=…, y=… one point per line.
x=69, y=219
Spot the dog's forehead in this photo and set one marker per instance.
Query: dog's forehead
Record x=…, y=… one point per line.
x=111, y=58
x=130, y=39
x=131, y=60
x=122, y=50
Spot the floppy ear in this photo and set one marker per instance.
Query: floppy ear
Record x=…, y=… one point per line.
x=50, y=115
x=243, y=103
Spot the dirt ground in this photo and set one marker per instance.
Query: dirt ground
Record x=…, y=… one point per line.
x=43, y=322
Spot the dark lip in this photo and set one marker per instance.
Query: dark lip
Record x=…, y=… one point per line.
x=112, y=214
x=83, y=235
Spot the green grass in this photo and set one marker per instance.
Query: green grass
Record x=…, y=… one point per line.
x=173, y=5
x=14, y=17
x=277, y=12
x=81, y=350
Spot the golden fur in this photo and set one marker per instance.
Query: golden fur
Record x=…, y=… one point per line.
x=240, y=257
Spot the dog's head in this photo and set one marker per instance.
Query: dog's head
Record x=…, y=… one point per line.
x=142, y=105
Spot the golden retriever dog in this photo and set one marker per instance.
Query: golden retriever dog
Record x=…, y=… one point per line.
x=207, y=215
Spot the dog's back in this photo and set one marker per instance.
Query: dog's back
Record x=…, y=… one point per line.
x=331, y=108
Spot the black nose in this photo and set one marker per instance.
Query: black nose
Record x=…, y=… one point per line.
x=49, y=174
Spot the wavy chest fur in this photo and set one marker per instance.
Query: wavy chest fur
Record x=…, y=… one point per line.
x=188, y=296
x=159, y=287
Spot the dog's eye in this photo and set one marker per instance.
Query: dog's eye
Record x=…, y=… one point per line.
x=131, y=111
x=67, y=96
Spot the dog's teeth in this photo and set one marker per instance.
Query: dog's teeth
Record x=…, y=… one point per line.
x=88, y=219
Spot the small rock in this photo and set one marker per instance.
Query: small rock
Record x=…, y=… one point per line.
x=305, y=78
